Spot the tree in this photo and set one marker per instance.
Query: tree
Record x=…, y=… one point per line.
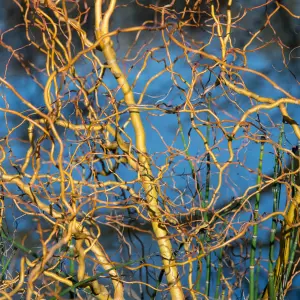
x=149, y=149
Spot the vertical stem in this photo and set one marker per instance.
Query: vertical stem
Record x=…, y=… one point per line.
x=72, y=265
x=257, y=273
x=252, y=287
x=295, y=231
x=223, y=294
x=276, y=196
x=294, y=245
x=219, y=273
x=199, y=269
x=186, y=151
x=286, y=241
x=206, y=200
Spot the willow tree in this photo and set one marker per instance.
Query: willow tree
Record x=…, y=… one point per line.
x=150, y=150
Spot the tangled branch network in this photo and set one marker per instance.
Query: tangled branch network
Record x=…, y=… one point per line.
x=149, y=149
